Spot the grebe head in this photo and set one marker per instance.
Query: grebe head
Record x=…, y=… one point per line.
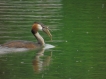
x=40, y=27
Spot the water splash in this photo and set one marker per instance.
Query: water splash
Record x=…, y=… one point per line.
x=48, y=46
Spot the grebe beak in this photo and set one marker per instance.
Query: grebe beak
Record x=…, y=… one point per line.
x=46, y=30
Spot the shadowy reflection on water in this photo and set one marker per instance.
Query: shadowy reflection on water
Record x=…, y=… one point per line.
x=41, y=62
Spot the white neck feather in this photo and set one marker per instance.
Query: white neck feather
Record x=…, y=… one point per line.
x=40, y=39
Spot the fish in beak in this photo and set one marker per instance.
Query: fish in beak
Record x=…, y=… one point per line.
x=46, y=30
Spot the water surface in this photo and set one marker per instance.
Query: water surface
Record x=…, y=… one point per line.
x=79, y=34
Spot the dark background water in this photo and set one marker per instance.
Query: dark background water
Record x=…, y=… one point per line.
x=79, y=34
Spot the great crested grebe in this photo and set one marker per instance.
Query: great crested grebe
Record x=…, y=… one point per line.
x=27, y=44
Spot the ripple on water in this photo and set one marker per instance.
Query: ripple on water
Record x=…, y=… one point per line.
x=4, y=50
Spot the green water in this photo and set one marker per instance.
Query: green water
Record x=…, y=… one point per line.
x=79, y=34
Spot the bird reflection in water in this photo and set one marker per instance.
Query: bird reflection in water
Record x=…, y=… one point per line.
x=41, y=62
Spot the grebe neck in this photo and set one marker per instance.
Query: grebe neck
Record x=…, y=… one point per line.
x=40, y=39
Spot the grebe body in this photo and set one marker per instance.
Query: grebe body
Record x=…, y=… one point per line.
x=27, y=44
